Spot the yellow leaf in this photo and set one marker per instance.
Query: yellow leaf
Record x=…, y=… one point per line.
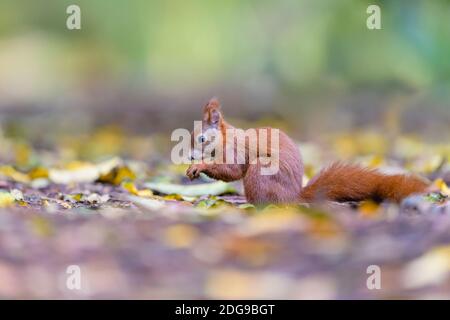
x=124, y=173
x=22, y=154
x=118, y=175
x=77, y=197
x=368, y=209
x=174, y=196
x=130, y=187
x=145, y=193
x=37, y=173
x=180, y=236
x=22, y=203
x=376, y=161
x=443, y=188
x=13, y=174
x=75, y=165
x=6, y=199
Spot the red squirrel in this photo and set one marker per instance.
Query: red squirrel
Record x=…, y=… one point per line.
x=339, y=182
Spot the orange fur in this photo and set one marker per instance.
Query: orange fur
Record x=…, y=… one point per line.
x=348, y=182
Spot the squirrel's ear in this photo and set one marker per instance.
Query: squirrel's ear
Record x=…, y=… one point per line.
x=211, y=112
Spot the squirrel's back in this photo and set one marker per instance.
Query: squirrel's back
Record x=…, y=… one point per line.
x=283, y=186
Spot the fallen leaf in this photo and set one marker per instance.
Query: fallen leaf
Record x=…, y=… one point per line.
x=131, y=188
x=38, y=173
x=84, y=173
x=17, y=194
x=180, y=236
x=369, y=209
x=444, y=189
x=6, y=199
x=12, y=174
x=95, y=198
x=147, y=203
x=215, y=188
x=118, y=175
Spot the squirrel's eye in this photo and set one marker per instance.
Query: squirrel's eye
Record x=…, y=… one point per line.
x=201, y=139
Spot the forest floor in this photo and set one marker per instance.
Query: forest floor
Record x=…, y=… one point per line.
x=140, y=229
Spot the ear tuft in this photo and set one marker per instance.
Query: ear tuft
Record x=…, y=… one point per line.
x=213, y=103
x=211, y=111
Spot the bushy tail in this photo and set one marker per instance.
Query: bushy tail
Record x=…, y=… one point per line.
x=349, y=182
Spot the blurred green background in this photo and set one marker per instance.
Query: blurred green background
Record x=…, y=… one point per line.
x=148, y=66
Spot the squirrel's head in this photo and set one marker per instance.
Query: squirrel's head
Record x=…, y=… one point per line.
x=206, y=138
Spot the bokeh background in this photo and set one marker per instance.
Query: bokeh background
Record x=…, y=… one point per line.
x=85, y=170
x=148, y=66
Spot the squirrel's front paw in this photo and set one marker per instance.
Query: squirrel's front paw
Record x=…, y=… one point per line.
x=194, y=171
